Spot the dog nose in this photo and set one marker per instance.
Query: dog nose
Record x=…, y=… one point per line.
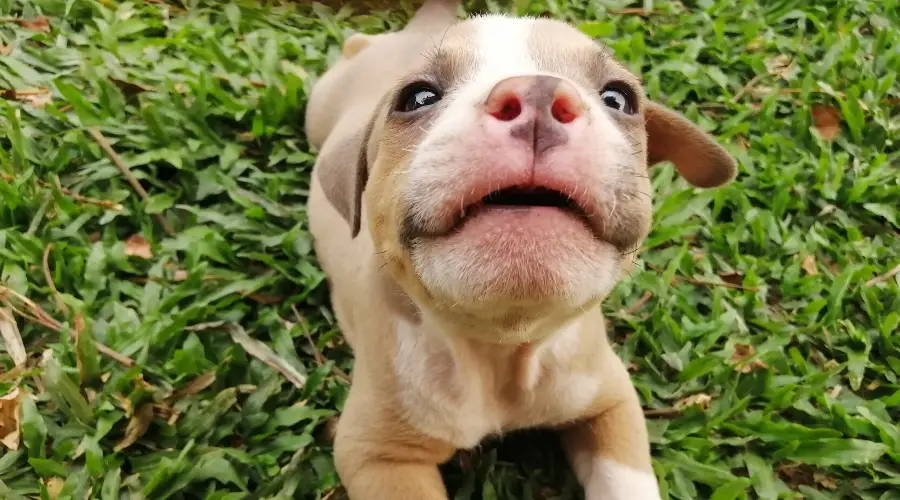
x=546, y=96
x=538, y=110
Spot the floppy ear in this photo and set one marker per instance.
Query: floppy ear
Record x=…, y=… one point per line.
x=343, y=169
x=696, y=155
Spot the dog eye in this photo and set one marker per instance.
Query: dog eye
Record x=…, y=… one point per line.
x=616, y=99
x=416, y=97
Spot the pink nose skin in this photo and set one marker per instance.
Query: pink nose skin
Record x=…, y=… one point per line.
x=538, y=110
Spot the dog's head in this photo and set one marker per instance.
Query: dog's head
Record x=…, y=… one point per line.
x=505, y=177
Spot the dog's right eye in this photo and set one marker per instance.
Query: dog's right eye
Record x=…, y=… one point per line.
x=416, y=97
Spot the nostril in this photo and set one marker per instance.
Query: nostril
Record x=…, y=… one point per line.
x=564, y=110
x=506, y=108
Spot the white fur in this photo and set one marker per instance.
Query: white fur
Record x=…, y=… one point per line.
x=502, y=52
x=441, y=164
x=450, y=387
x=606, y=479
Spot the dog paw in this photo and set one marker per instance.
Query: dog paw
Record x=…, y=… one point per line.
x=609, y=480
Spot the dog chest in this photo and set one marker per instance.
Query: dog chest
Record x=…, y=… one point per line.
x=462, y=393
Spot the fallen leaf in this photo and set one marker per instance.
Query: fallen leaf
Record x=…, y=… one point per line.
x=824, y=481
x=40, y=23
x=39, y=101
x=265, y=354
x=827, y=121
x=700, y=399
x=55, y=486
x=809, y=265
x=124, y=403
x=10, y=423
x=5, y=50
x=165, y=412
x=137, y=246
x=742, y=352
x=756, y=44
x=12, y=339
x=132, y=88
x=173, y=418
x=36, y=97
x=835, y=392
x=137, y=427
x=195, y=386
x=827, y=209
x=782, y=66
x=796, y=474
x=733, y=278
x=265, y=299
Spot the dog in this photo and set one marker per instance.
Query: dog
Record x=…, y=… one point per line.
x=481, y=185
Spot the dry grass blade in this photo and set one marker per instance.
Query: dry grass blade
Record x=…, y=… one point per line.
x=40, y=23
x=37, y=314
x=137, y=427
x=135, y=184
x=661, y=413
x=60, y=304
x=320, y=359
x=263, y=353
x=743, y=353
x=107, y=204
x=12, y=338
x=193, y=387
x=633, y=308
x=10, y=419
x=884, y=277
x=632, y=11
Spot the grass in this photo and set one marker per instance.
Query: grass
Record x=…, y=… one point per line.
x=761, y=326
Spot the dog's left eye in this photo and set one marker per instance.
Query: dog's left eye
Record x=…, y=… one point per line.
x=616, y=99
x=416, y=97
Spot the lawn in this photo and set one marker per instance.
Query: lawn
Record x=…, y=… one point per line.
x=166, y=331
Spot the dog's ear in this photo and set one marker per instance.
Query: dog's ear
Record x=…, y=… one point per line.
x=696, y=155
x=343, y=169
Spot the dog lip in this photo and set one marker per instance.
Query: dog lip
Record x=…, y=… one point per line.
x=580, y=205
x=523, y=196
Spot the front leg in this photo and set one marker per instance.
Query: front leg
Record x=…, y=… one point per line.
x=610, y=453
x=378, y=457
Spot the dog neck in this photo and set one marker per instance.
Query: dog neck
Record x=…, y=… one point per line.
x=461, y=389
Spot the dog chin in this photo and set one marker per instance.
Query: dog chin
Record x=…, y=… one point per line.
x=493, y=274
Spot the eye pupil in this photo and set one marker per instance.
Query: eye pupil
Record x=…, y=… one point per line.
x=425, y=98
x=612, y=101
x=417, y=97
x=616, y=99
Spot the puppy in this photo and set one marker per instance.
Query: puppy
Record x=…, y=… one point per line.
x=480, y=187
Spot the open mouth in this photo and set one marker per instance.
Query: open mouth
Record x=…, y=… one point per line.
x=522, y=198
x=529, y=197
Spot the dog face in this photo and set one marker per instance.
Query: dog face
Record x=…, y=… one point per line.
x=505, y=175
